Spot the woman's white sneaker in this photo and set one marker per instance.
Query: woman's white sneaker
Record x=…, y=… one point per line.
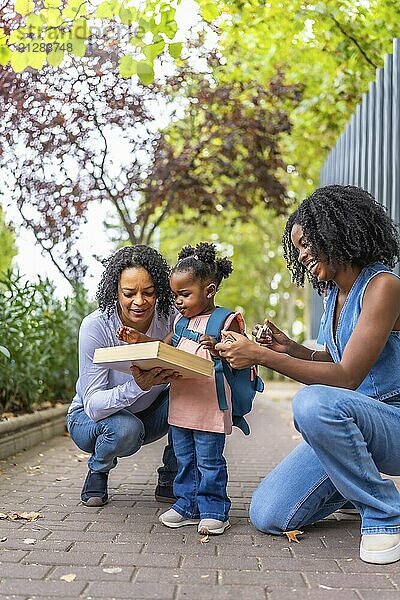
x=212, y=526
x=171, y=518
x=380, y=548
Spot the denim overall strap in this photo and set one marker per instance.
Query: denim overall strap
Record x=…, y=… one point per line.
x=382, y=382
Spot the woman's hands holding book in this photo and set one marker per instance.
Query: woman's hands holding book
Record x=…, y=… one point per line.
x=156, y=376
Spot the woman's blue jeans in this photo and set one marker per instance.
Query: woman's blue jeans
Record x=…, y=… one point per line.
x=123, y=434
x=202, y=477
x=349, y=440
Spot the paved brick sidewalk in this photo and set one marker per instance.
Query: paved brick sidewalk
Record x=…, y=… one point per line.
x=121, y=551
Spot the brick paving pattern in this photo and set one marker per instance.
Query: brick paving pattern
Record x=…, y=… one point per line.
x=122, y=551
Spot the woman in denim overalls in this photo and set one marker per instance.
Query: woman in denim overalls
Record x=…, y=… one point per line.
x=349, y=411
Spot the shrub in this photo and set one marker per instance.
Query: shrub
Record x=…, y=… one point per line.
x=39, y=333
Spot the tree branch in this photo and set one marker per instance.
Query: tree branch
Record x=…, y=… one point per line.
x=157, y=222
x=125, y=220
x=29, y=223
x=350, y=37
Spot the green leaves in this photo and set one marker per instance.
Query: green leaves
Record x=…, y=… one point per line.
x=24, y=7
x=39, y=335
x=153, y=50
x=331, y=48
x=104, y=10
x=145, y=72
x=209, y=11
x=127, y=66
x=175, y=50
x=53, y=21
x=55, y=58
x=19, y=61
x=5, y=55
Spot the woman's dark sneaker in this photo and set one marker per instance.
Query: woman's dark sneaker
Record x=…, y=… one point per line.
x=165, y=493
x=94, y=491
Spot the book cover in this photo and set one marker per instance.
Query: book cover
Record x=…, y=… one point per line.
x=153, y=354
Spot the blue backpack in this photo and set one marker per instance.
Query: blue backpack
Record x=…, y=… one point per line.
x=244, y=383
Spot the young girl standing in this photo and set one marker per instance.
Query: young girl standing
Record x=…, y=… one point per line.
x=198, y=425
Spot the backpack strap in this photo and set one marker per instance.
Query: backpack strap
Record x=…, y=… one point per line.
x=213, y=328
x=219, y=383
x=216, y=322
x=181, y=330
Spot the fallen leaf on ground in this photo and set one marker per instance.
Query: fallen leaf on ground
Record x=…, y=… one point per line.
x=204, y=540
x=292, y=535
x=69, y=577
x=81, y=456
x=27, y=516
x=112, y=570
x=29, y=541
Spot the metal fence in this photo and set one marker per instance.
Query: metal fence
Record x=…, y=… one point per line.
x=367, y=154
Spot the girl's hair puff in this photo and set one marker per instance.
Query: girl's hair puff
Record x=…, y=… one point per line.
x=203, y=262
x=129, y=257
x=344, y=225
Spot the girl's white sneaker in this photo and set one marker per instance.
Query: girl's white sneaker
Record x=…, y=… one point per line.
x=212, y=526
x=380, y=548
x=171, y=518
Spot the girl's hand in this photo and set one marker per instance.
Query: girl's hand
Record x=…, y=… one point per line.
x=237, y=350
x=156, y=376
x=277, y=340
x=129, y=334
x=208, y=342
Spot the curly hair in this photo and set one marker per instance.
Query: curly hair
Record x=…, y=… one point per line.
x=139, y=256
x=342, y=224
x=201, y=260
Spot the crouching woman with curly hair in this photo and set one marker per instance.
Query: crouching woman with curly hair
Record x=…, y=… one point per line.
x=348, y=413
x=113, y=414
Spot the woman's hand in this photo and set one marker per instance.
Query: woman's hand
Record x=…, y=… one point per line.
x=237, y=350
x=277, y=341
x=156, y=376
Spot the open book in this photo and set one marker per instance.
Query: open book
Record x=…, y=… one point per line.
x=153, y=354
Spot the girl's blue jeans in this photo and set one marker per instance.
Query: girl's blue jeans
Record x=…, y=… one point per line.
x=202, y=477
x=349, y=440
x=123, y=434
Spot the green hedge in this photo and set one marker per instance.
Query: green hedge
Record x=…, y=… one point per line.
x=38, y=343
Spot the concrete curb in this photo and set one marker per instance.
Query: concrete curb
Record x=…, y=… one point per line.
x=26, y=431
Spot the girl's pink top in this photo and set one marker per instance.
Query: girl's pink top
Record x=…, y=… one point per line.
x=193, y=402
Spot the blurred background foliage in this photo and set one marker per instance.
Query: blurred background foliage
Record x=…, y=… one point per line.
x=38, y=360
x=7, y=244
x=225, y=140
